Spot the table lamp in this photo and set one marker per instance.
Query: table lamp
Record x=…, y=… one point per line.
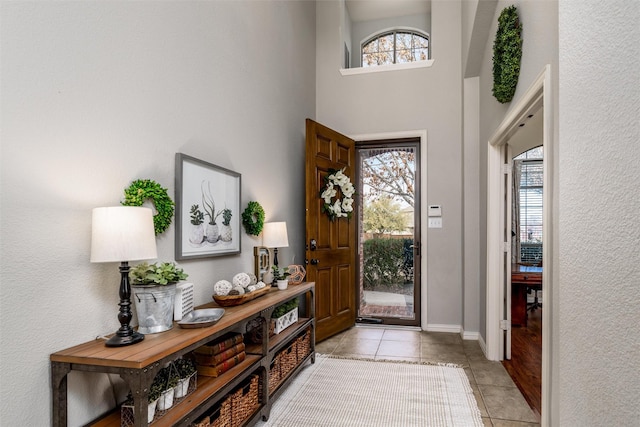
x=274, y=235
x=123, y=234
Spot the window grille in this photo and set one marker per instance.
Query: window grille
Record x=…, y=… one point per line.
x=395, y=47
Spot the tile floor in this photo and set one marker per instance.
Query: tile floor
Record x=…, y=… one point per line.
x=501, y=403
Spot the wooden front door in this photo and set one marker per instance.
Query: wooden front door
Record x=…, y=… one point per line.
x=330, y=245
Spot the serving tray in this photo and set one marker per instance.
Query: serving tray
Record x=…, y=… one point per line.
x=201, y=318
x=231, y=300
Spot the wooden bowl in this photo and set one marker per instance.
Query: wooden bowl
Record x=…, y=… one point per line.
x=231, y=300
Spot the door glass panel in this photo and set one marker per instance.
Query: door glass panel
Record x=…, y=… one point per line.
x=387, y=226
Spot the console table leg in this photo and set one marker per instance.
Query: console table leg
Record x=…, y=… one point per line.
x=59, y=373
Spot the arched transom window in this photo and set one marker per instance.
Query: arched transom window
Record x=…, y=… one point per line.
x=395, y=47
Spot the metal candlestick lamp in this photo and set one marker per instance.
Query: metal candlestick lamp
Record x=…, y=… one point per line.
x=274, y=235
x=123, y=234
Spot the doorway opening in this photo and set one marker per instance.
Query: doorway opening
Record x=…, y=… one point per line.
x=389, y=231
x=523, y=359
x=537, y=97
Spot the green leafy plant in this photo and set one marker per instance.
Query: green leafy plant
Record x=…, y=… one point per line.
x=226, y=216
x=283, y=309
x=156, y=274
x=383, y=263
x=155, y=390
x=167, y=377
x=507, y=53
x=197, y=217
x=279, y=273
x=185, y=367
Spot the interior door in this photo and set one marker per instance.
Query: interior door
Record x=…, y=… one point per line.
x=330, y=245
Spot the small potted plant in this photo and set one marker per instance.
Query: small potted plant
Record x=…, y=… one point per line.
x=186, y=369
x=284, y=316
x=154, y=289
x=280, y=276
x=168, y=379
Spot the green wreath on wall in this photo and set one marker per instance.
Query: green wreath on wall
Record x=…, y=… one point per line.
x=253, y=218
x=146, y=189
x=507, y=53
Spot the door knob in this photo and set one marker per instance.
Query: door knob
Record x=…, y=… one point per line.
x=314, y=261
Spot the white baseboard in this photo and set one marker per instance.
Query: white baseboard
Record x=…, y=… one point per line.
x=483, y=345
x=455, y=329
x=471, y=336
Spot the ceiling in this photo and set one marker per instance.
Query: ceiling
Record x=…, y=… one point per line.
x=368, y=10
x=528, y=135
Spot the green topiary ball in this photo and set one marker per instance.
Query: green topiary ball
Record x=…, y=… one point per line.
x=507, y=53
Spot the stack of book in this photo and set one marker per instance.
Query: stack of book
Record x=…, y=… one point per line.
x=217, y=357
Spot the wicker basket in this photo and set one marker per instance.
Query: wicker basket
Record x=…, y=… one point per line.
x=224, y=414
x=274, y=374
x=288, y=360
x=303, y=345
x=219, y=417
x=245, y=401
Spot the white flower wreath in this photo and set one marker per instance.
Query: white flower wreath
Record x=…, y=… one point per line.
x=338, y=208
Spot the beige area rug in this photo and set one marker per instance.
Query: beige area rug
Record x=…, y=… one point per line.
x=340, y=392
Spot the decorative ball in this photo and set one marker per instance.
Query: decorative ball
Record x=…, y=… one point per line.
x=253, y=278
x=251, y=288
x=237, y=288
x=296, y=274
x=222, y=287
x=242, y=279
x=260, y=285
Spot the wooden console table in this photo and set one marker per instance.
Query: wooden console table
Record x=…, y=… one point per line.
x=138, y=364
x=522, y=278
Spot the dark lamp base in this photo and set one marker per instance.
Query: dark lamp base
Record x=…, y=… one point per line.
x=120, y=341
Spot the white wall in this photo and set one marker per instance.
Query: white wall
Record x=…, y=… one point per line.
x=540, y=40
x=97, y=94
x=472, y=299
x=427, y=98
x=599, y=341
x=595, y=95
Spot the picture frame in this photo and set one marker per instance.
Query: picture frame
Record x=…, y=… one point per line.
x=262, y=261
x=207, y=209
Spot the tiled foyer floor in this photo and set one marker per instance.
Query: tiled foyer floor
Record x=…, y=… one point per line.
x=501, y=403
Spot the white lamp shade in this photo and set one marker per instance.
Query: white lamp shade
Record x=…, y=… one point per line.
x=122, y=233
x=274, y=235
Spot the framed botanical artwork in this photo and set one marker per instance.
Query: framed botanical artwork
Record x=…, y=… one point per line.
x=207, y=209
x=262, y=260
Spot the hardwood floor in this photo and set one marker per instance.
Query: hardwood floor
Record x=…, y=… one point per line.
x=525, y=366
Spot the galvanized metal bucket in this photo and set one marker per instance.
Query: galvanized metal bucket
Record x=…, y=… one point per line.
x=154, y=307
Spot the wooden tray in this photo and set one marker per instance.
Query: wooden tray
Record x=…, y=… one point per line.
x=231, y=300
